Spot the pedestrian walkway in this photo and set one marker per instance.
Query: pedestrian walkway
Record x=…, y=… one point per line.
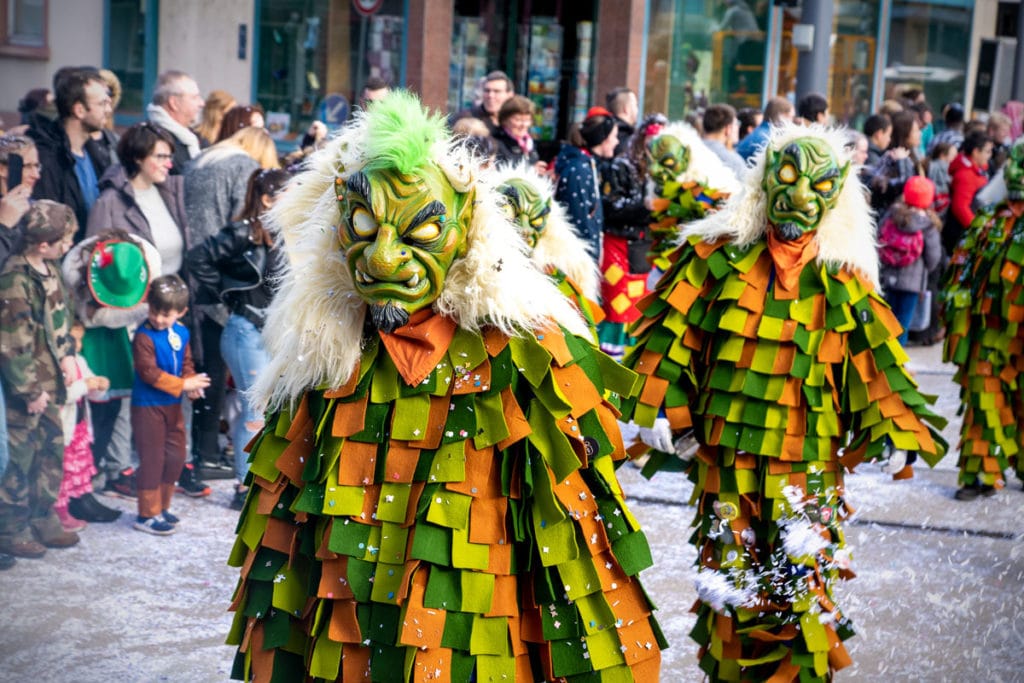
x=939, y=594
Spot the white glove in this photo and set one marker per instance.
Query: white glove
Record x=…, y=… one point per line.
x=658, y=437
x=686, y=446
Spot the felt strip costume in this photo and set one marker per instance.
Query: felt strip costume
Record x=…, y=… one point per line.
x=983, y=305
x=686, y=182
x=784, y=384
x=433, y=496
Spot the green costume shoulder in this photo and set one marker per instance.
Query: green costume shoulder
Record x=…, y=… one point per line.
x=467, y=526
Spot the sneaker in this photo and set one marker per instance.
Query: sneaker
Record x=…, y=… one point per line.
x=7, y=561
x=154, y=525
x=170, y=518
x=124, y=486
x=191, y=485
x=238, y=502
x=69, y=522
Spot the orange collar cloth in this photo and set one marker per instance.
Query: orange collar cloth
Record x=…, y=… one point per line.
x=790, y=257
x=418, y=346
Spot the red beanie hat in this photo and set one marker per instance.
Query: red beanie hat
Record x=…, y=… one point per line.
x=919, y=192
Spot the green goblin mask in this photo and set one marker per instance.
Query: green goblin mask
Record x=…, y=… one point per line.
x=526, y=208
x=400, y=235
x=802, y=181
x=667, y=157
x=1013, y=172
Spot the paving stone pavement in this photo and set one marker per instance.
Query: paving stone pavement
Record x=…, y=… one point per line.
x=939, y=594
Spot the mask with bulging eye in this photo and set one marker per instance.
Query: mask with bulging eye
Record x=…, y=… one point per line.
x=1013, y=172
x=802, y=182
x=400, y=235
x=526, y=209
x=667, y=157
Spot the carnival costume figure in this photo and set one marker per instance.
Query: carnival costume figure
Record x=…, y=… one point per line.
x=433, y=496
x=983, y=304
x=552, y=244
x=767, y=338
x=686, y=181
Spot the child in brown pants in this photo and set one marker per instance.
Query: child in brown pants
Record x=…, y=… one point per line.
x=163, y=372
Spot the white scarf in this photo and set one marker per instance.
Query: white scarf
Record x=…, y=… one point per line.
x=160, y=117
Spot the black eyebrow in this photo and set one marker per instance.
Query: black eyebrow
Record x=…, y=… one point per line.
x=829, y=175
x=511, y=192
x=793, y=150
x=543, y=212
x=357, y=183
x=431, y=210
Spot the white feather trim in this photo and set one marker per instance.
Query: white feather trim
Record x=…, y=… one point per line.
x=705, y=167
x=846, y=234
x=314, y=326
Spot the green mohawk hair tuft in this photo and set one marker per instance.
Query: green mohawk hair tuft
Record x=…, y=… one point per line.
x=401, y=132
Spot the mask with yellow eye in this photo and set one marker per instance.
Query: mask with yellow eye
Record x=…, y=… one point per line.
x=527, y=209
x=667, y=157
x=1013, y=172
x=802, y=182
x=400, y=234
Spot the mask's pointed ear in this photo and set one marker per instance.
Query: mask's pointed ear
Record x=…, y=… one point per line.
x=769, y=163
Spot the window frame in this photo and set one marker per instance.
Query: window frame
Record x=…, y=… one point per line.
x=8, y=49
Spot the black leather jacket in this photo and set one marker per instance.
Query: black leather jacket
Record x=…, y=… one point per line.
x=230, y=268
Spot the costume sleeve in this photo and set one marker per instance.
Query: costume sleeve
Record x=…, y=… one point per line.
x=144, y=356
x=18, y=331
x=188, y=367
x=63, y=340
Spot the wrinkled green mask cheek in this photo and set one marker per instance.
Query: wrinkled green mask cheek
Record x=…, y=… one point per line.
x=527, y=210
x=667, y=157
x=802, y=182
x=400, y=235
x=1013, y=172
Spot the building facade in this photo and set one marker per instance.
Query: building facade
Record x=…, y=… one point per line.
x=306, y=59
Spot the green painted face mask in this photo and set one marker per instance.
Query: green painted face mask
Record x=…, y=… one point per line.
x=527, y=209
x=1013, y=172
x=802, y=181
x=400, y=235
x=667, y=157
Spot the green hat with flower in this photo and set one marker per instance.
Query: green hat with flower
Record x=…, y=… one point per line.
x=118, y=273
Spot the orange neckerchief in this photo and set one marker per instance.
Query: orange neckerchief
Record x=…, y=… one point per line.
x=790, y=257
x=420, y=344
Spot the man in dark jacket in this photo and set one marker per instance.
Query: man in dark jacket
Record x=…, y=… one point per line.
x=71, y=161
x=878, y=131
x=623, y=104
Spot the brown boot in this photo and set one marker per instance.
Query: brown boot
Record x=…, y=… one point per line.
x=21, y=545
x=51, y=533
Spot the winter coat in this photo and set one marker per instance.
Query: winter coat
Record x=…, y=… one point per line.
x=577, y=191
x=875, y=154
x=510, y=153
x=116, y=207
x=754, y=141
x=965, y=179
x=622, y=198
x=230, y=267
x=938, y=173
x=625, y=133
x=888, y=179
x=914, y=277
x=215, y=185
x=57, y=179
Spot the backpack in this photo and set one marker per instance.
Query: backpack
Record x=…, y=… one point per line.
x=896, y=248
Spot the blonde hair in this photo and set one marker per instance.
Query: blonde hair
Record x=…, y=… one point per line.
x=256, y=142
x=114, y=85
x=217, y=104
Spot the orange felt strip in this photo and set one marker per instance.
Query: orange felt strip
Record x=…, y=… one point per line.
x=682, y=297
x=787, y=672
x=349, y=418
x=487, y=520
x=421, y=626
x=476, y=380
x=679, y=417
x=400, y=462
x=418, y=346
x=505, y=600
x=515, y=420
x=838, y=657
x=262, y=660
x=648, y=363
x=648, y=669
x=499, y=559
x=553, y=341
x=787, y=632
x=433, y=666
x=279, y=535
x=299, y=420
x=832, y=348
x=355, y=663
x=357, y=463
x=371, y=499
x=346, y=389
x=577, y=387
x=705, y=249
x=333, y=582
x=640, y=643
x=494, y=341
x=344, y=626
x=608, y=569
x=291, y=462
x=654, y=390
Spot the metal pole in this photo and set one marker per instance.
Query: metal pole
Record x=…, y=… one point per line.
x=1017, y=92
x=812, y=67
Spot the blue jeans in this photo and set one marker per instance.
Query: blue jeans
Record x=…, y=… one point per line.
x=903, y=305
x=241, y=346
x=5, y=455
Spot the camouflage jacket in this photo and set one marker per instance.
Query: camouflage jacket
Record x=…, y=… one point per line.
x=35, y=332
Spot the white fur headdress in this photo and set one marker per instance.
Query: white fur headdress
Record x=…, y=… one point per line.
x=558, y=245
x=846, y=234
x=314, y=327
x=705, y=167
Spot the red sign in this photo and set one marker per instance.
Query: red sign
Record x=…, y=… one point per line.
x=367, y=7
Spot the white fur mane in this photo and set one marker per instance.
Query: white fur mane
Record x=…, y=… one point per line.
x=314, y=326
x=846, y=234
x=558, y=245
x=705, y=167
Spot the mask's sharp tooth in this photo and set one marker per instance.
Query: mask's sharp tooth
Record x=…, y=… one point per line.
x=413, y=281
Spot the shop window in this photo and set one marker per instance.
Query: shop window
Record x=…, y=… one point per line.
x=314, y=56
x=928, y=49
x=126, y=55
x=701, y=52
x=23, y=28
